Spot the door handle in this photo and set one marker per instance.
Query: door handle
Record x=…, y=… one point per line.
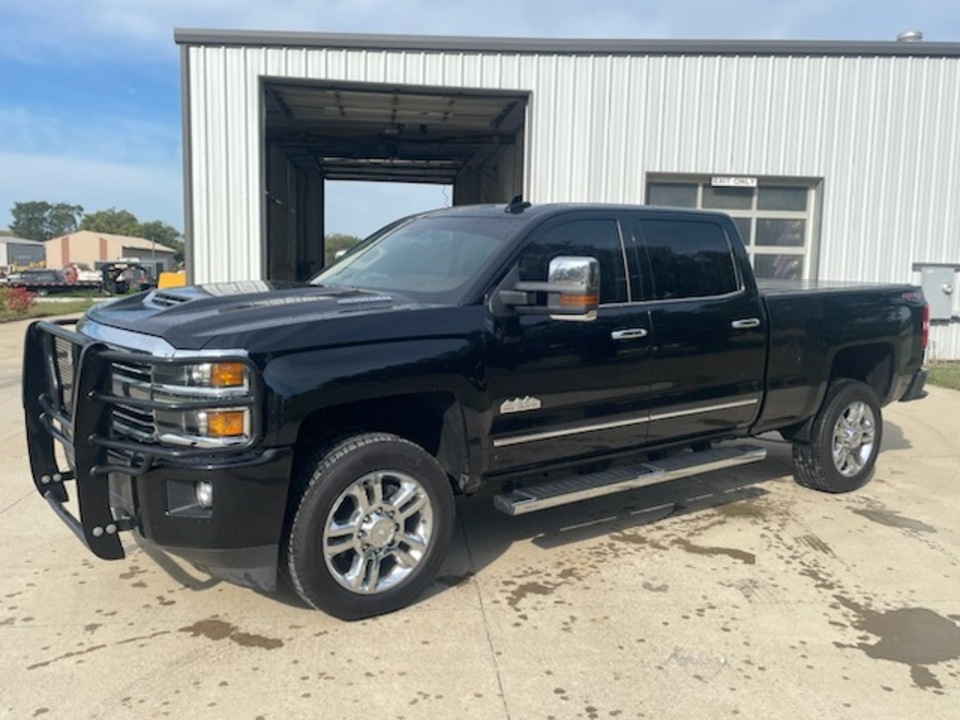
x=631, y=334
x=746, y=323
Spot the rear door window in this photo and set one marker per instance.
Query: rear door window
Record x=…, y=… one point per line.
x=688, y=259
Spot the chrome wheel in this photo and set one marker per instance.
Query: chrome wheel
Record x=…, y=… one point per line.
x=854, y=435
x=377, y=532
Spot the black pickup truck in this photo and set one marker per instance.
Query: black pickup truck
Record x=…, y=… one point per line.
x=560, y=352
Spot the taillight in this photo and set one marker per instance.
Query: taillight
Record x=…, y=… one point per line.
x=925, y=327
x=916, y=296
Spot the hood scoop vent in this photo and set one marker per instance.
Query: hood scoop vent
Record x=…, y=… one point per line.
x=166, y=300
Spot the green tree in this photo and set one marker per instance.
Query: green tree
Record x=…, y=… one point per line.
x=332, y=244
x=64, y=219
x=160, y=232
x=40, y=220
x=112, y=221
x=163, y=234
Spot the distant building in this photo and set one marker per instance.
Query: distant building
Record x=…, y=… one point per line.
x=95, y=248
x=18, y=253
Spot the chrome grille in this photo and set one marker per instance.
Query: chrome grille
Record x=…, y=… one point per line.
x=133, y=381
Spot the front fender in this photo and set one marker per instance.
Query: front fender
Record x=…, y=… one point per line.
x=300, y=384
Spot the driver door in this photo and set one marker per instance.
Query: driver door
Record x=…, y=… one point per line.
x=562, y=390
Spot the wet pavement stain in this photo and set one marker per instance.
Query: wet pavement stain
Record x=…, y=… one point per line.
x=521, y=592
x=741, y=555
x=917, y=637
x=215, y=629
x=742, y=509
x=685, y=544
x=637, y=539
x=132, y=572
x=890, y=518
x=95, y=648
x=66, y=656
x=543, y=582
x=141, y=638
x=815, y=543
x=820, y=579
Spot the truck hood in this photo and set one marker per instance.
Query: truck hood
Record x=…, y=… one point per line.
x=243, y=314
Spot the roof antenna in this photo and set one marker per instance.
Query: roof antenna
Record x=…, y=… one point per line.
x=517, y=205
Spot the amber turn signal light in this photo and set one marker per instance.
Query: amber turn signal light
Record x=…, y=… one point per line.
x=225, y=423
x=578, y=300
x=227, y=374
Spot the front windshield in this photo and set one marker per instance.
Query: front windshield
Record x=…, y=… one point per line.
x=428, y=258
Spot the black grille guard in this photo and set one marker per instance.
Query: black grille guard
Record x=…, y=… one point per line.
x=84, y=430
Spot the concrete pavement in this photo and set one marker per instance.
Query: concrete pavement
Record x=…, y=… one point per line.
x=737, y=594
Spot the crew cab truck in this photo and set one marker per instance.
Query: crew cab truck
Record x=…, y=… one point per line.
x=561, y=352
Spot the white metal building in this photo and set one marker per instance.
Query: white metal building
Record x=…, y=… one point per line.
x=18, y=253
x=838, y=160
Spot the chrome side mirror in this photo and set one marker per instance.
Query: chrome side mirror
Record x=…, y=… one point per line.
x=572, y=291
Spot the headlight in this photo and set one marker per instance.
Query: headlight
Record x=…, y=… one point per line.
x=221, y=384
x=231, y=377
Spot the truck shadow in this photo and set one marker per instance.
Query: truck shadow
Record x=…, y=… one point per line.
x=485, y=534
x=893, y=437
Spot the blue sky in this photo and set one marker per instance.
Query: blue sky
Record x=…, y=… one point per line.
x=90, y=97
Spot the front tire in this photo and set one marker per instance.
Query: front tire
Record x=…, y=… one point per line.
x=844, y=440
x=372, y=527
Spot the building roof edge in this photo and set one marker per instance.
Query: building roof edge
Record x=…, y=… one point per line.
x=560, y=46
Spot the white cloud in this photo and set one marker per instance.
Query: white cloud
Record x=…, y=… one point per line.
x=151, y=192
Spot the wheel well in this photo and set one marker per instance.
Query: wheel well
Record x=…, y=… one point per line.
x=433, y=421
x=871, y=364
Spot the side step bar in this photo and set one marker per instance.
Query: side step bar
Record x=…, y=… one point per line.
x=582, y=487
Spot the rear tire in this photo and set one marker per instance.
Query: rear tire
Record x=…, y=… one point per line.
x=844, y=440
x=372, y=527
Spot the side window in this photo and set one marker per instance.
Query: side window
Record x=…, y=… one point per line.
x=689, y=258
x=594, y=238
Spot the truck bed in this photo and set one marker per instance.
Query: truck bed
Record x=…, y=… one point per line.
x=813, y=322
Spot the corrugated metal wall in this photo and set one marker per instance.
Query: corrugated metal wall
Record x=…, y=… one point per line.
x=882, y=132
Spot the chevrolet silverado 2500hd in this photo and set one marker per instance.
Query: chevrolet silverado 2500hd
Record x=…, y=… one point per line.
x=560, y=351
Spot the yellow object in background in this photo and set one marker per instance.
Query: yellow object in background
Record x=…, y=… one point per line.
x=172, y=279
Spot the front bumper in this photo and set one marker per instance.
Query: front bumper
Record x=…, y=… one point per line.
x=236, y=539
x=122, y=485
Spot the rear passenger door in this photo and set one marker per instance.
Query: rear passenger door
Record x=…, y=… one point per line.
x=708, y=330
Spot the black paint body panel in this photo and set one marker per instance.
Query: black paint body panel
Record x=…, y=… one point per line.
x=530, y=394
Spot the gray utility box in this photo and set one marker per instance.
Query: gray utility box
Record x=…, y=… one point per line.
x=939, y=283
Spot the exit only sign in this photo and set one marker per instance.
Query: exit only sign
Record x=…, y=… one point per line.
x=733, y=181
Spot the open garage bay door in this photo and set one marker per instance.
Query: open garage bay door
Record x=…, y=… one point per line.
x=317, y=131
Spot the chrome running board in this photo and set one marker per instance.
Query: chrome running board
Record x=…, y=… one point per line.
x=583, y=487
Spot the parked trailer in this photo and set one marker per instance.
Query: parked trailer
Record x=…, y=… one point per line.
x=47, y=282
